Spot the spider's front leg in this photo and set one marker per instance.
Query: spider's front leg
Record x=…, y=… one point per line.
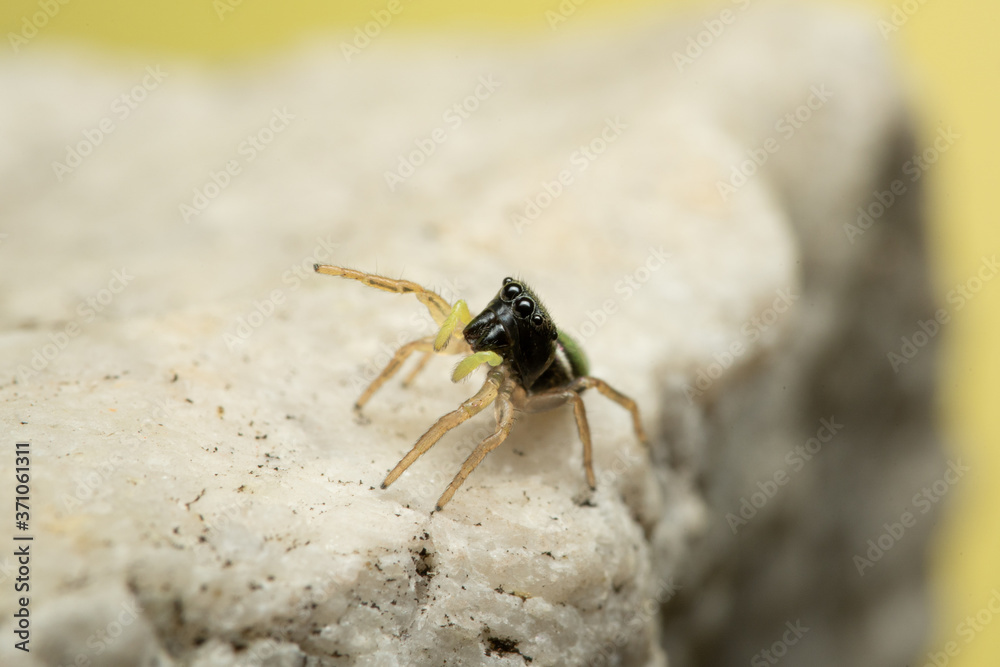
x=451, y=319
x=438, y=307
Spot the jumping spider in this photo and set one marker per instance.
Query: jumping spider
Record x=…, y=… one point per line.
x=535, y=367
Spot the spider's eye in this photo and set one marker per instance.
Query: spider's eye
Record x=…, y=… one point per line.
x=508, y=279
x=510, y=290
x=537, y=320
x=524, y=306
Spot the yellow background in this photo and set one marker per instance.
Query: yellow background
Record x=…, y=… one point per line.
x=952, y=51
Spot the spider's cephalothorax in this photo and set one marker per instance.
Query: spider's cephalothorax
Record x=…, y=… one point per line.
x=535, y=367
x=516, y=326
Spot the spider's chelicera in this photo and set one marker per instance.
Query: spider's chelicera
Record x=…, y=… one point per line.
x=535, y=367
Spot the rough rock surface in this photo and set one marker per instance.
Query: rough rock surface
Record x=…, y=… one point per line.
x=200, y=491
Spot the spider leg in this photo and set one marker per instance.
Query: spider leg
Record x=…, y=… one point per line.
x=505, y=420
x=402, y=354
x=408, y=380
x=553, y=398
x=486, y=395
x=450, y=319
x=438, y=307
x=621, y=399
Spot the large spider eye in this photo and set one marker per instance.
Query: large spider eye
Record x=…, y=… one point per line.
x=510, y=290
x=537, y=320
x=524, y=306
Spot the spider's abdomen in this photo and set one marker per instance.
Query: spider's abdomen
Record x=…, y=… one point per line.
x=516, y=326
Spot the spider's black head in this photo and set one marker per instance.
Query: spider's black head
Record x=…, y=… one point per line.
x=516, y=326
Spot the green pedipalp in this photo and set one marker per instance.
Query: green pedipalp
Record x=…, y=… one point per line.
x=574, y=353
x=459, y=313
x=474, y=361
